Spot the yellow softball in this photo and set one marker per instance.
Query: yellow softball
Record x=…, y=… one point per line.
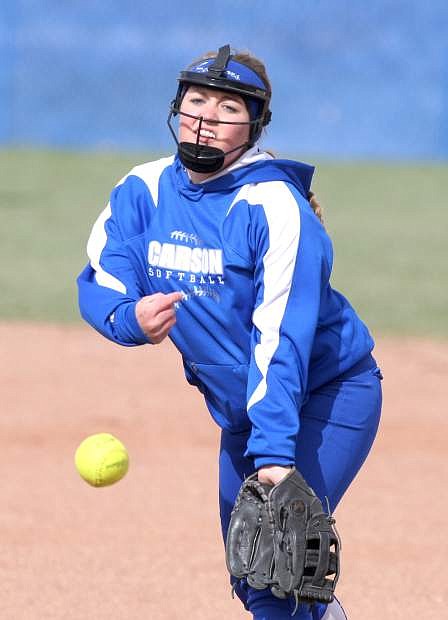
x=101, y=459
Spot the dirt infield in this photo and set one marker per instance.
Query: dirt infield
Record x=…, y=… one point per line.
x=71, y=551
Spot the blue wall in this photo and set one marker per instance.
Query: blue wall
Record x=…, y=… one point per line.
x=364, y=79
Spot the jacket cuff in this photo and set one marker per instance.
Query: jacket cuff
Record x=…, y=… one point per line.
x=262, y=461
x=125, y=325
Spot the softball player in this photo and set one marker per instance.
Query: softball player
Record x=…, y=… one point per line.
x=219, y=248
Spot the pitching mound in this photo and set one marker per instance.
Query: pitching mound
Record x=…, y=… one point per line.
x=134, y=550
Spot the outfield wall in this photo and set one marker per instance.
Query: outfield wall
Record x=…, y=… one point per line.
x=351, y=78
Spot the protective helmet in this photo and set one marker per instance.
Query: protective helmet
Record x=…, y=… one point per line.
x=224, y=73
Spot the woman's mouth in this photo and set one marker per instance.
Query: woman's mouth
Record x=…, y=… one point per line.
x=205, y=135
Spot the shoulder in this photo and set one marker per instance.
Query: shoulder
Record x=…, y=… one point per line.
x=135, y=197
x=146, y=175
x=279, y=192
x=278, y=197
x=278, y=206
x=151, y=170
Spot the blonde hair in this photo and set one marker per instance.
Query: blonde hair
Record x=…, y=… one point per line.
x=254, y=63
x=315, y=205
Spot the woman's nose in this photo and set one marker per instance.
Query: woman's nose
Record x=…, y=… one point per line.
x=210, y=113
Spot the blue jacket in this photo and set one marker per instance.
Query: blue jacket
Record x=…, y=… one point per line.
x=259, y=326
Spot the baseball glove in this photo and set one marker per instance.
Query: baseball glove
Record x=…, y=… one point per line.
x=280, y=537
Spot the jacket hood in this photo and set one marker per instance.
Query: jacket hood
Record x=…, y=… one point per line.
x=254, y=166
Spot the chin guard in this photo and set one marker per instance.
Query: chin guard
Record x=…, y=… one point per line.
x=200, y=158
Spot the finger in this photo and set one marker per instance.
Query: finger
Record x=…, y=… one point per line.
x=162, y=301
x=161, y=333
x=164, y=315
x=154, y=323
x=170, y=299
x=167, y=324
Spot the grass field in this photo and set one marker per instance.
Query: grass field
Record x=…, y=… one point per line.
x=388, y=223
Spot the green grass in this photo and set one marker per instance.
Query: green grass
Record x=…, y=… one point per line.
x=389, y=226
x=388, y=223
x=48, y=203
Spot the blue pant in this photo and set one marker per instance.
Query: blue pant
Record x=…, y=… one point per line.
x=338, y=424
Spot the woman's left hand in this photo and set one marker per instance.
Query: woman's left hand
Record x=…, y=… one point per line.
x=273, y=474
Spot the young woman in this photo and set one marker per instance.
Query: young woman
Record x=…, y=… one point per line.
x=219, y=248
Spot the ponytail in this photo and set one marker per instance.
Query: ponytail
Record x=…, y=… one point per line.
x=315, y=207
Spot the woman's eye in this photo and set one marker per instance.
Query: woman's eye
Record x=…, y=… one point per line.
x=230, y=108
x=196, y=100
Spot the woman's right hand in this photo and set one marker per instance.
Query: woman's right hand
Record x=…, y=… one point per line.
x=156, y=314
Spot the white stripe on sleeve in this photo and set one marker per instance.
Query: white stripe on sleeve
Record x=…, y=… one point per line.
x=283, y=218
x=95, y=245
x=150, y=173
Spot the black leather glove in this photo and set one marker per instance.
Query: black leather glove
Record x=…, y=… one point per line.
x=280, y=537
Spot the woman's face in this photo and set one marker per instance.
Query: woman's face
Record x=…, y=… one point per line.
x=214, y=105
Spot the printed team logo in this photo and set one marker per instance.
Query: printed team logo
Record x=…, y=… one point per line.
x=201, y=67
x=179, y=235
x=200, y=268
x=232, y=74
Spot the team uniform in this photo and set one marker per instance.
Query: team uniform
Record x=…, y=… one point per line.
x=282, y=359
